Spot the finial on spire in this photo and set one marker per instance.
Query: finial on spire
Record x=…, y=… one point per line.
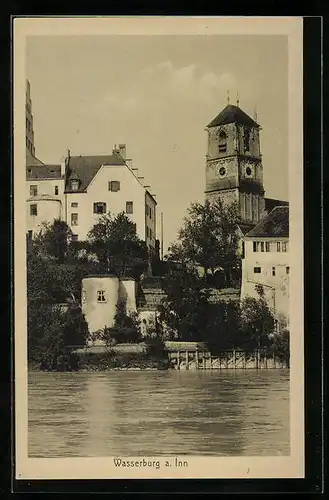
x=228, y=97
x=255, y=113
x=237, y=99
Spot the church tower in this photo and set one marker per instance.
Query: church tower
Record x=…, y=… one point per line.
x=234, y=170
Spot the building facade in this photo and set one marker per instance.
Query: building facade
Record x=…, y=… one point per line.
x=83, y=188
x=29, y=129
x=234, y=170
x=266, y=262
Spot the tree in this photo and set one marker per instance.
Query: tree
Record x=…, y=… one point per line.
x=222, y=326
x=184, y=309
x=118, y=248
x=52, y=333
x=53, y=240
x=257, y=322
x=209, y=238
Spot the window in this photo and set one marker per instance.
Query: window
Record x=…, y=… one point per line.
x=222, y=143
x=114, y=186
x=33, y=190
x=74, y=219
x=273, y=271
x=267, y=246
x=287, y=270
x=262, y=246
x=257, y=270
x=284, y=246
x=74, y=204
x=148, y=211
x=33, y=210
x=246, y=140
x=100, y=207
x=101, y=297
x=255, y=246
x=74, y=237
x=129, y=207
x=243, y=250
x=56, y=190
x=74, y=185
x=278, y=246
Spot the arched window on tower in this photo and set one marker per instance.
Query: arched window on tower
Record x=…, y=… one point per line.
x=222, y=143
x=246, y=140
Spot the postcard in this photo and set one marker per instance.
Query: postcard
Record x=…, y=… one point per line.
x=158, y=208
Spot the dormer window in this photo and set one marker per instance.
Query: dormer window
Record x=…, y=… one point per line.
x=222, y=143
x=74, y=185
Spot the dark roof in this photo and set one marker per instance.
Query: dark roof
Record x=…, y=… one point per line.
x=245, y=227
x=151, y=196
x=32, y=160
x=271, y=203
x=84, y=168
x=275, y=224
x=43, y=172
x=232, y=114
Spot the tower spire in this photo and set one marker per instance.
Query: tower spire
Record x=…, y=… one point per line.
x=228, y=97
x=255, y=113
x=237, y=99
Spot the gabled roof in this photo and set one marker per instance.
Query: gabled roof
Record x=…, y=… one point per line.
x=271, y=203
x=232, y=114
x=274, y=225
x=43, y=172
x=245, y=227
x=84, y=168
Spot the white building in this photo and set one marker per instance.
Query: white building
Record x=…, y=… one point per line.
x=266, y=261
x=84, y=188
x=44, y=194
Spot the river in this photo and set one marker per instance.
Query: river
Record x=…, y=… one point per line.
x=153, y=413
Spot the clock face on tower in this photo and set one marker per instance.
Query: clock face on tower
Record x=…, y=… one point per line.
x=248, y=171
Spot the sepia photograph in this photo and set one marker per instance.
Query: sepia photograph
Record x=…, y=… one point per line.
x=159, y=246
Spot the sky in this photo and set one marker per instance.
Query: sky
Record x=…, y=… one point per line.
x=156, y=94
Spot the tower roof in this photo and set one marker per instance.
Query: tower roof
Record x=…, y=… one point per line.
x=232, y=114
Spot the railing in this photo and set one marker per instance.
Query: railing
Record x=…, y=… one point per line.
x=230, y=359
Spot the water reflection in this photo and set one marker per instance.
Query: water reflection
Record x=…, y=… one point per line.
x=159, y=413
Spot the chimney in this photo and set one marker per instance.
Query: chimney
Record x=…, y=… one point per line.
x=122, y=150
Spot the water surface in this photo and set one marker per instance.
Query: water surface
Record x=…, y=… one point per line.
x=152, y=413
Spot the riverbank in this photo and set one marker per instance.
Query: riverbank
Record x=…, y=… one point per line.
x=175, y=355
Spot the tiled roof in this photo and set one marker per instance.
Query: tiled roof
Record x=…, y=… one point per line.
x=245, y=226
x=43, y=172
x=274, y=225
x=232, y=114
x=271, y=203
x=84, y=168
